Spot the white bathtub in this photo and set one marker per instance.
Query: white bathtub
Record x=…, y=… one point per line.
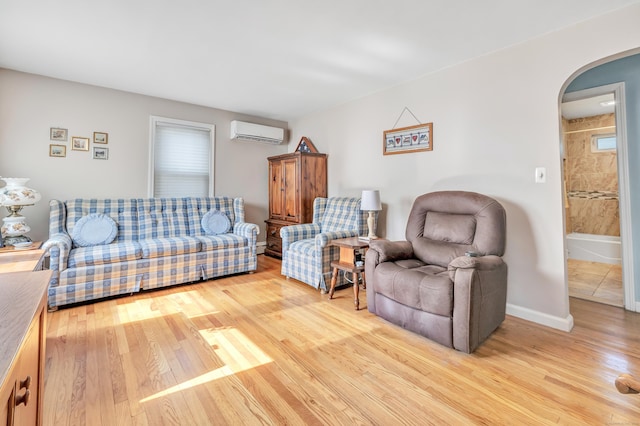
x=594, y=248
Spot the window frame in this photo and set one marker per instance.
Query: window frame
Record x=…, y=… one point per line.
x=594, y=142
x=153, y=121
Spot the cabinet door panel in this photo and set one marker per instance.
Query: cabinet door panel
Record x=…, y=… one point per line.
x=313, y=184
x=27, y=379
x=291, y=190
x=6, y=404
x=276, y=189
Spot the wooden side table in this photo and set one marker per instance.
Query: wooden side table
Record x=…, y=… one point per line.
x=349, y=248
x=21, y=260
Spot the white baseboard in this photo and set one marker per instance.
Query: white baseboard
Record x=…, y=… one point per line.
x=564, y=324
x=260, y=247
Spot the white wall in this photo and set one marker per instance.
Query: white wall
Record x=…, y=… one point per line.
x=31, y=104
x=495, y=120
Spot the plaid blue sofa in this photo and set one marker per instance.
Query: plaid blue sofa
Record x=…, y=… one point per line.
x=159, y=242
x=306, y=253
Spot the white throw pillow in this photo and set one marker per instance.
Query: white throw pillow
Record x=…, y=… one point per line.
x=93, y=230
x=215, y=222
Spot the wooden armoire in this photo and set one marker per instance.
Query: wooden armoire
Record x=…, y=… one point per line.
x=295, y=180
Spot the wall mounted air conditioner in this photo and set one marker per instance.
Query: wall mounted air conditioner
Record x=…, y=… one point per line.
x=244, y=131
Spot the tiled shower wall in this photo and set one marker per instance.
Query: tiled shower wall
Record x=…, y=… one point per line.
x=591, y=178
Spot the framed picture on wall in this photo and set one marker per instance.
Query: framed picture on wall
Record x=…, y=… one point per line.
x=100, y=137
x=408, y=139
x=58, y=134
x=57, y=150
x=100, y=153
x=79, y=144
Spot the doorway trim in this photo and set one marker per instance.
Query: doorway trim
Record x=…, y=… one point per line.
x=618, y=90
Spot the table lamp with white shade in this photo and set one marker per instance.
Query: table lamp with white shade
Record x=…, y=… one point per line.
x=370, y=202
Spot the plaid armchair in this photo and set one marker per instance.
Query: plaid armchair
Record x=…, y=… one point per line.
x=306, y=254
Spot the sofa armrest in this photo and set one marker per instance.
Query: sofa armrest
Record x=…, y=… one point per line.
x=250, y=231
x=389, y=251
x=480, y=299
x=246, y=229
x=292, y=233
x=58, y=247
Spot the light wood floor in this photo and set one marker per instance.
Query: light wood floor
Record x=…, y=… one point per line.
x=598, y=282
x=258, y=349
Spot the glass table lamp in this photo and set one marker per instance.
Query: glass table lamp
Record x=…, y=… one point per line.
x=14, y=196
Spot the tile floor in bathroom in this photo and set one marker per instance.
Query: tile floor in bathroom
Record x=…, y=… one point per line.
x=598, y=282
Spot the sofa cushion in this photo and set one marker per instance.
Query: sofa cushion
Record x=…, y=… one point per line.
x=160, y=247
x=223, y=241
x=215, y=222
x=306, y=247
x=162, y=218
x=341, y=214
x=123, y=212
x=103, y=254
x=233, y=208
x=426, y=288
x=94, y=229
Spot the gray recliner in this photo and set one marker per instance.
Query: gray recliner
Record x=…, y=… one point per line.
x=447, y=281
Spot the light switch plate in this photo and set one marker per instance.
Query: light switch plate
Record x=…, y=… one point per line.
x=541, y=175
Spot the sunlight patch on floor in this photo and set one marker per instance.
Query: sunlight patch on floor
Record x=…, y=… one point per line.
x=141, y=309
x=210, y=376
x=235, y=350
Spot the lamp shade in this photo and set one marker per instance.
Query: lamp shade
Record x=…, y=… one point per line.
x=370, y=200
x=15, y=193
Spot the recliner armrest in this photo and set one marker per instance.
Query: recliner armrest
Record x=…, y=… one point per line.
x=389, y=251
x=480, y=296
x=480, y=263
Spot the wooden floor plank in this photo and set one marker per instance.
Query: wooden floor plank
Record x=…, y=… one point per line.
x=260, y=349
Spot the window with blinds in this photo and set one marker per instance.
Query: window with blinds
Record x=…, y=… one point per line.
x=181, y=158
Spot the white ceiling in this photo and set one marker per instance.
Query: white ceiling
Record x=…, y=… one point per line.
x=278, y=59
x=589, y=107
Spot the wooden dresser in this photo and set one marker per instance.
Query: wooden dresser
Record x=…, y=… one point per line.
x=295, y=180
x=23, y=300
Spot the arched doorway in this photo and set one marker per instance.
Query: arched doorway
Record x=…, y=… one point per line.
x=621, y=78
